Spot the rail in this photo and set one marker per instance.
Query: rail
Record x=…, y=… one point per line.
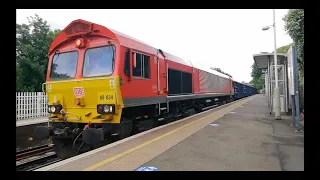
x=34, y=158
x=33, y=151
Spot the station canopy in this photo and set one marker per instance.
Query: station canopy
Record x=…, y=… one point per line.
x=261, y=60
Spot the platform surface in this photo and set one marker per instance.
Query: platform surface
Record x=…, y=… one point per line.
x=31, y=121
x=243, y=136
x=247, y=139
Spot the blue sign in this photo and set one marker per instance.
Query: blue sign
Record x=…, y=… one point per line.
x=146, y=168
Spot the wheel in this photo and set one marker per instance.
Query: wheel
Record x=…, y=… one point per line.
x=155, y=122
x=198, y=108
x=126, y=127
x=63, y=148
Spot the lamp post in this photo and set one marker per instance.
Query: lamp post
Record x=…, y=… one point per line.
x=276, y=89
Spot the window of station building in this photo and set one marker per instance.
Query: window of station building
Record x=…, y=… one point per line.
x=141, y=68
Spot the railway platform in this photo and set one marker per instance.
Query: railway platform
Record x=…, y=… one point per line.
x=31, y=121
x=25, y=133
x=241, y=135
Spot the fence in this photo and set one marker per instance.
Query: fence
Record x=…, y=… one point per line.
x=31, y=105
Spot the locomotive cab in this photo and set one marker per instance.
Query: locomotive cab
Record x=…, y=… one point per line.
x=83, y=87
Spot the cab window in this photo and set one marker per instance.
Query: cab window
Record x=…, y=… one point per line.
x=99, y=61
x=64, y=65
x=141, y=66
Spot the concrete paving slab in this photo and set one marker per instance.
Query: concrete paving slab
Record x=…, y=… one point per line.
x=31, y=121
x=246, y=140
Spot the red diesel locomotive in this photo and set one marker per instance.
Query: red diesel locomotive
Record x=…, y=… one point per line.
x=101, y=82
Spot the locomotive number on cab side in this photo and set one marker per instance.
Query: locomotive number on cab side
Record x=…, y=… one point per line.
x=106, y=97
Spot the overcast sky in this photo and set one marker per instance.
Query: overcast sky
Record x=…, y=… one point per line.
x=221, y=38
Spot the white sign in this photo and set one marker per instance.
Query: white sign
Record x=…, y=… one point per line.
x=291, y=79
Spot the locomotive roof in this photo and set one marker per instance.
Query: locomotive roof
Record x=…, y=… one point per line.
x=133, y=43
x=127, y=41
x=205, y=68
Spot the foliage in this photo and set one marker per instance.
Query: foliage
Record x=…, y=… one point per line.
x=257, y=78
x=294, y=25
x=284, y=49
x=32, y=45
x=258, y=83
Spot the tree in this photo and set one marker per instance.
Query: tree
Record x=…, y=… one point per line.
x=257, y=78
x=284, y=49
x=258, y=83
x=32, y=45
x=294, y=25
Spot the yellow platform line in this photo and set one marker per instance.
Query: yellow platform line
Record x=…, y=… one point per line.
x=95, y=166
x=138, y=147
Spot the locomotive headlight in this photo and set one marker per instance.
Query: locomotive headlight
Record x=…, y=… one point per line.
x=78, y=42
x=52, y=109
x=106, y=108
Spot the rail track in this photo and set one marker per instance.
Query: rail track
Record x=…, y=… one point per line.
x=36, y=157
